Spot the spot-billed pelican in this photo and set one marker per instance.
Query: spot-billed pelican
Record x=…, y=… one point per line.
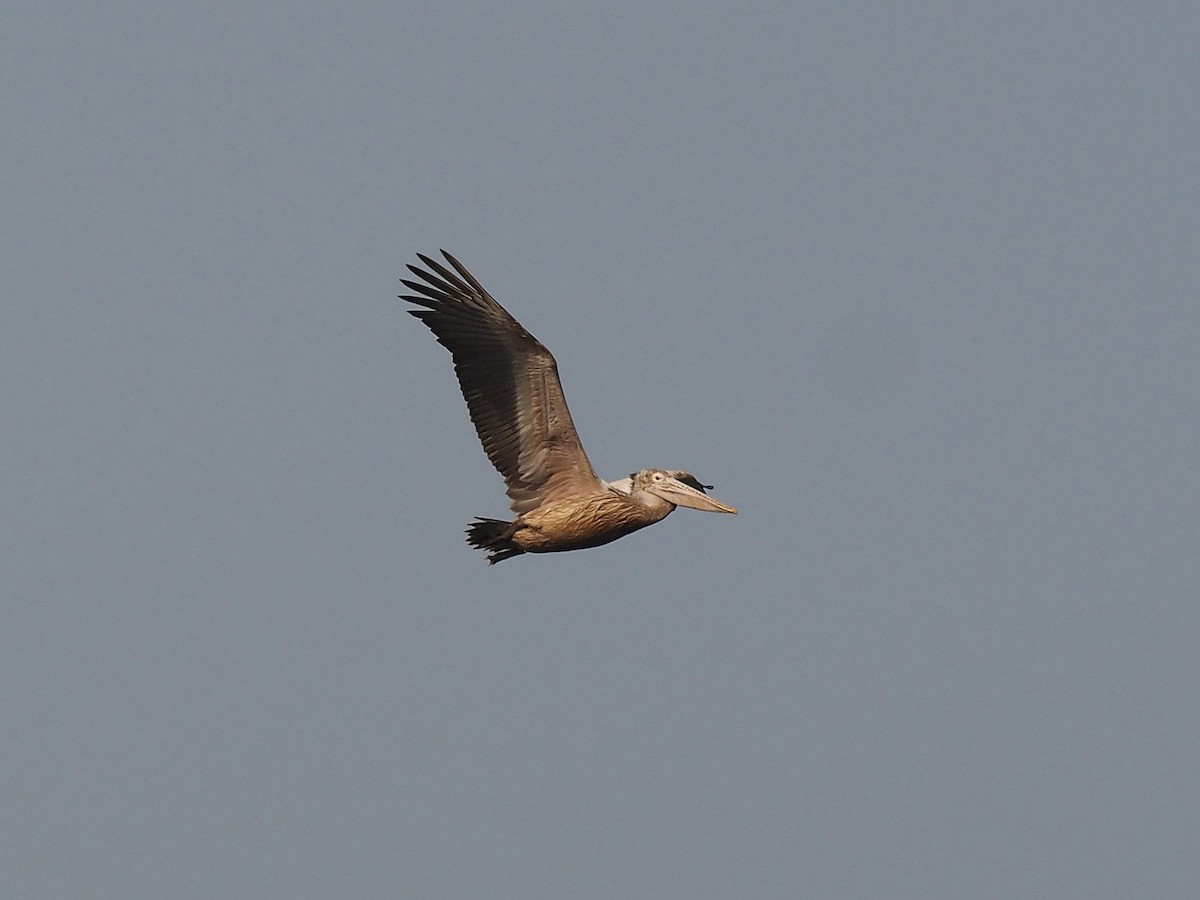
x=510, y=382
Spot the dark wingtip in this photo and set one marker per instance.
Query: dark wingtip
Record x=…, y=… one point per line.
x=495, y=537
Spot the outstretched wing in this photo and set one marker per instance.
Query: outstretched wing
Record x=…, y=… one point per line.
x=510, y=382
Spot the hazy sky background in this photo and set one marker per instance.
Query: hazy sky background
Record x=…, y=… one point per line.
x=915, y=285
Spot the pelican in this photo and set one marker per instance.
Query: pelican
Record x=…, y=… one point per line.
x=510, y=382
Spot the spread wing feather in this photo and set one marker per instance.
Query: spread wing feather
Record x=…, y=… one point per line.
x=510, y=382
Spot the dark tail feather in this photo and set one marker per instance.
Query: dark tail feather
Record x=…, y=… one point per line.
x=494, y=536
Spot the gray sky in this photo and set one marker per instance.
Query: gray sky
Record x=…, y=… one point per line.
x=915, y=286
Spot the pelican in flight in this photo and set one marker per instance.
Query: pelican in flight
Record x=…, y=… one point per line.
x=510, y=383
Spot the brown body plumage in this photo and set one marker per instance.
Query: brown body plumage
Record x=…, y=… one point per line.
x=510, y=382
x=570, y=524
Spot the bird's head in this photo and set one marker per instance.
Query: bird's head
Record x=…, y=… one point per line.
x=675, y=487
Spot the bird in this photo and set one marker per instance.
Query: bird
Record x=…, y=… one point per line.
x=515, y=400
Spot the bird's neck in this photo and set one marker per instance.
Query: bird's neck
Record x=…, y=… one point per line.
x=654, y=504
